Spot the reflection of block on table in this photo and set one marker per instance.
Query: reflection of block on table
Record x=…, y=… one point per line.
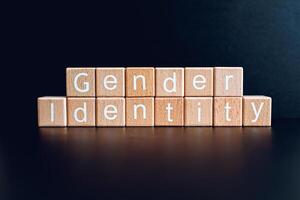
x=52, y=111
x=257, y=110
x=228, y=111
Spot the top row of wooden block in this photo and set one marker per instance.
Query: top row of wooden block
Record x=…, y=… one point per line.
x=154, y=81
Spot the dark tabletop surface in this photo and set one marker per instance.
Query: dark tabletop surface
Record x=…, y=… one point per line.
x=151, y=163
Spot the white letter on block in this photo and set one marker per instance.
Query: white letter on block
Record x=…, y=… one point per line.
x=255, y=111
x=113, y=82
x=83, y=109
x=169, y=108
x=86, y=87
x=173, y=79
x=113, y=110
x=199, y=112
x=227, y=108
x=227, y=78
x=202, y=82
x=135, y=80
x=52, y=112
x=135, y=107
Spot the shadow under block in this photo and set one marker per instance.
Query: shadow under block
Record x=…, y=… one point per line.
x=52, y=111
x=111, y=111
x=257, y=110
x=169, y=111
x=80, y=82
x=228, y=81
x=169, y=82
x=198, y=81
x=140, y=111
x=110, y=82
x=198, y=111
x=81, y=111
x=140, y=82
x=228, y=111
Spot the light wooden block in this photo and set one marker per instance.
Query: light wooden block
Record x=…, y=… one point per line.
x=198, y=81
x=169, y=82
x=111, y=111
x=169, y=111
x=140, y=111
x=81, y=111
x=257, y=110
x=198, y=111
x=140, y=82
x=110, y=82
x=228, y=81
x=52, y=111
x=228, y=111
x=80, y=82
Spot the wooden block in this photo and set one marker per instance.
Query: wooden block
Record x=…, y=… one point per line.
x=257, y=111
x=228, y=81
x=228, y=111
x=80, y=82
x=169, y=82
x=140, y=111
x=169, y=111
x=81, y=111
x=140, y=82
x=198, y=111
x=111, y=111
x=52, y=111
x=110, y=82
x=198, y=81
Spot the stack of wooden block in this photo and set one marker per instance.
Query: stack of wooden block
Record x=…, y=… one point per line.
x=148, y=96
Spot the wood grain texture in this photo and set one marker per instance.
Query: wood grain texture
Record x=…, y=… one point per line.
x=198, y=111
x=140, y=111
x=84, y=86
x=233, y=76
x=169, y=111
x=228, y=111
x=111, y=111
x=257, y=111
x=52, y=111
x=81, y=111
x=165, y=80
x=198, y=81
x=143, y=78
x=110, y=82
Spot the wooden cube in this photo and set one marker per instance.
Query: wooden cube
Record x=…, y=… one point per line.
x=111, y=111
x=169, y=111
x=52, y=111
x=257, y=111
x=228, y=111
x=140, y=82
x=80, y=82
x=140, y=111
x=81, y=111
x=198, y=81
x=110, y=82
x=198, y=111
x=169, y=82
x=228, y=81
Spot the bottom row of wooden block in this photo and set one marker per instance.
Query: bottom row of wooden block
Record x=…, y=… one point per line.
x=149, y=111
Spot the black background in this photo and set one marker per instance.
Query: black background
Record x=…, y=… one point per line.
x=263, y=36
